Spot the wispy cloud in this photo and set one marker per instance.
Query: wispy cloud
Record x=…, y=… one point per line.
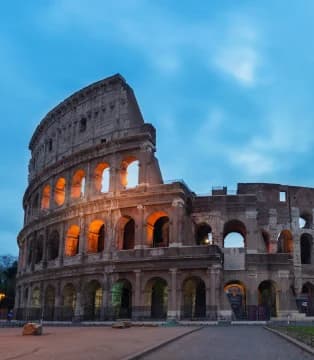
x=237, y=53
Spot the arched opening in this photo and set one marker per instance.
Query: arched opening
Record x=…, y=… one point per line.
x=126, y=233
x=101, y=178
x=78, y=184
x=158, y=229
x=72, y=241
x=59, y=194
x=203, y=235
x=194, y=298
x=39, y=249
x=306, y=299
x=234, y=234
x=49, y=303
x=93, y=300
x=156, y=298
x=266, y=238
x=45, y=197
x=96, y=237
x=122, y=299
x=305, y=220
x=285, y=242
x=30, y=250
x=53, y=245
x=306, y=248
x=35, y=205
x=69, y=302
x=267, y=297
x=236, y=294
x=35, y=301
x=129, y=172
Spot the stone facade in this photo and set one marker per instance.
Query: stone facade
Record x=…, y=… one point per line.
x=95, y=247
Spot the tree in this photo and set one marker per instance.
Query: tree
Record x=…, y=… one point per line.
x=8, y=270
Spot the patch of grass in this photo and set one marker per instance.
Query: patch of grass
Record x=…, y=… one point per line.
x=301, y=333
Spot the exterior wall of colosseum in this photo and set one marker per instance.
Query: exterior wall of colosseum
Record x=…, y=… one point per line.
x=97, y=244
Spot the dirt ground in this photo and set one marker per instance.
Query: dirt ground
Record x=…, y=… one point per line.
x=82, y=343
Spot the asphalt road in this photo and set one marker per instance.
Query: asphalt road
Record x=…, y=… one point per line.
x=231, y=343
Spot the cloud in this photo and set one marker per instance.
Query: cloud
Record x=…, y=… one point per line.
x=240, y=62
x=251, y=161
x=237, y=54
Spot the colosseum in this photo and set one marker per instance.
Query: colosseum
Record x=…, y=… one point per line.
x=105, y=237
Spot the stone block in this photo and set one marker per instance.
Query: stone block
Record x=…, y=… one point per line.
x=32, y=329
x=121, y=324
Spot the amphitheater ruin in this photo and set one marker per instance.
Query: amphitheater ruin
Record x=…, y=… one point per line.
x=100, y=244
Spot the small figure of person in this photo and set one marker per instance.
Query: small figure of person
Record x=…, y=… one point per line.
x=10, y=315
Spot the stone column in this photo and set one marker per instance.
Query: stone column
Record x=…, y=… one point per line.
x=273, y=226
x=105, y=298
x=172, y=301
x=136, y=311
x=58, y=302
x=61, y=243
x=82, y=239
x=45, y=248
x=177, y=223
x=88, y=182
x=140, y=229
x=78, y=306
x=284, y=304
x=214, y=308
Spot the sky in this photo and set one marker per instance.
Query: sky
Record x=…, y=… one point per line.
x=229, y=85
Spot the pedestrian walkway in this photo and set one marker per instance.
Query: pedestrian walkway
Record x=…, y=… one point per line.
x=81, y=343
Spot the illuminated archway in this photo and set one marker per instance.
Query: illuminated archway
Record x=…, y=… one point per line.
x=72, y=241
x=101, y=178
x=96, y=236
x=122, y=298
x=156, y=297
x=78, y=184
x=45, y=197
x=158, y=229
x=129, y=172
x=234, y=234
x=285, y=242
x=59, y=195
x=236, y=294
x=203, y=235
x=126, y=233
x=194, y=298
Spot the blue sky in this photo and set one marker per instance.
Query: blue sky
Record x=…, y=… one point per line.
x=227, y=84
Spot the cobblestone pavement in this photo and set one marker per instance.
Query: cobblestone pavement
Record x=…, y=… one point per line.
x=230, y=343
x=82, y=343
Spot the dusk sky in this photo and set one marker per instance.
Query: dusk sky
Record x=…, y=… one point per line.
x=229, y=85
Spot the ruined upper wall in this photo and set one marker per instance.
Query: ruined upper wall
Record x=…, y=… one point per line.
x=93, y=115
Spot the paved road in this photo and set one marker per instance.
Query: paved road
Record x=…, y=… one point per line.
x=231, y=343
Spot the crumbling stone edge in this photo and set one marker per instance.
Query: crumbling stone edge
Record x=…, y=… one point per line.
x=294, y=341
x=155, y=347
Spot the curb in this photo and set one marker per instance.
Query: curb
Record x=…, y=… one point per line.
x=294, y=341
x=148, y=350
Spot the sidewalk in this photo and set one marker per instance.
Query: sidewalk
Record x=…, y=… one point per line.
x=82, y=343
